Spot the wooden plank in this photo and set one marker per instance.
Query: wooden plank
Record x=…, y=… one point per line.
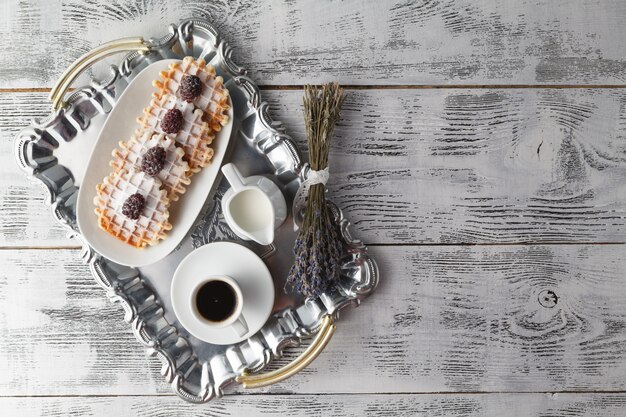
x=398, y=405
x=61, y=335
x=444, y=319
x=429, y=166
x=25, y=219
x=479, y=166
x=383, y=42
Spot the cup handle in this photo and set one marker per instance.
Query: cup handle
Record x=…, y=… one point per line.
x=233, y=176
x=240, y=326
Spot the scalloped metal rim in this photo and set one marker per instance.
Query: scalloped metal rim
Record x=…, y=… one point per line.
x=124, y=285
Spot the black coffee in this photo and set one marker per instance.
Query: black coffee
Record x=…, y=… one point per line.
x=216, y=300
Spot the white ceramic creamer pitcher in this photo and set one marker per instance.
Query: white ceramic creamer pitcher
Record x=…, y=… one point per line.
x=253, y=207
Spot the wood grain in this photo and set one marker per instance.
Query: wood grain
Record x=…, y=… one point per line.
x=452, y=330
x=444, y=319
x=355, y=42
x=25, y=219
x=428, y=166
x=61, y=335
x=398, y=405
x=478, y=166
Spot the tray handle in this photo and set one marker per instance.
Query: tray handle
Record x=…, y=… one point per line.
x=324, y=335
x=87, y=60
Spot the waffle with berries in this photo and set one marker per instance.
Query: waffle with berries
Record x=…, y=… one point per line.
x=133, y=207
x=156, y=155
x=185, y=127
x=195, y=82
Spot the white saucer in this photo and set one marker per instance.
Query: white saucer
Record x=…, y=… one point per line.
x=236, y=261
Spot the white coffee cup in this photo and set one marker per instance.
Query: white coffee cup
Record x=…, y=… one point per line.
x=217, y=302
x=253, y=207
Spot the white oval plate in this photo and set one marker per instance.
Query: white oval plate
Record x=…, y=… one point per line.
x=120, y=125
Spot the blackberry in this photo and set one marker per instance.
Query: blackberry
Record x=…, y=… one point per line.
x=133, y=206
x=190, y=88
x=153, y=161
x=172, y=121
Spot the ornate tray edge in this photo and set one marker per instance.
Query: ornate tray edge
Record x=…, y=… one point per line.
x=59, y=195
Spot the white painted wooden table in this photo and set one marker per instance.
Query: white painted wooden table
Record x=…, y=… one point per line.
x=481, y=155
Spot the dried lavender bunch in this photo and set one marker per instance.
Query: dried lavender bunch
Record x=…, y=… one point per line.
x=317, y=247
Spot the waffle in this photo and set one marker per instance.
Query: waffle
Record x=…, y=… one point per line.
x=213, y=100
x=111, y=194
x=194, y=137
x=175, y=173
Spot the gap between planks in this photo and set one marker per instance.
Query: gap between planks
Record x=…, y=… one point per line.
x=71, y=247
x=325, y=394
x=542, y=243
x=453, y=86
x=393, y=87
x=521, y=243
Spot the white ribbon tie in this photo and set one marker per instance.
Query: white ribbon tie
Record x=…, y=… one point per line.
x=313, y=177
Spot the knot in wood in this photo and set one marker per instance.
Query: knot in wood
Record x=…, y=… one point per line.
x=548, y=298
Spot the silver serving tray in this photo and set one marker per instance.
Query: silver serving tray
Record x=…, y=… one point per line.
x=197, y=371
